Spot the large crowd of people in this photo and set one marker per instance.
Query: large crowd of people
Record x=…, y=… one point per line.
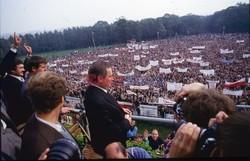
x=222, y=54
x=139, y=73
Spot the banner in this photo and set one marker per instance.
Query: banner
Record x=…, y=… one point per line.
x=182, y=70
x=174, y=54
x=153, y=62
x=129, y=92
x=234, y=84
x=165, y=70
x=226, y=51
x=156, y=90
x=147, y=110
x=51, y=65
x=212, y=84
x=106, y=55
x=197, y=58
x=174, y=86
x=125, y=104
x=240, y=41
x=140, y=68
x=136, y=57
x=166, y=62
x=65, y=65
x=139, y=87
x=72, y=71
x=246, y=55
x=126, y=74
x=195, y=51
x=234, y=93
x=204, y=64
x=60, y=70
x=227, y=60
x=178, y=61
x=198, y=47
x=72, y=100
x=84, y=72
x=207, y=72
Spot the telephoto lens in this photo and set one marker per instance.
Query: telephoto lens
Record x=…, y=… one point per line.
x=64, y=149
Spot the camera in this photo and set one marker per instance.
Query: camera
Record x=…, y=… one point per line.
x=64, y=149
x=207, y=137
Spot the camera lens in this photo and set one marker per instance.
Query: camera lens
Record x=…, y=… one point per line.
x=64, y=149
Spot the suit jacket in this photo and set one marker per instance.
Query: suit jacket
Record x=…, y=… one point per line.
x=36, y=138
x=26, y=99
x=106, y=119
x=12, y=95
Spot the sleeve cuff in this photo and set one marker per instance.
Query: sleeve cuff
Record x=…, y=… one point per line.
x=14, y=50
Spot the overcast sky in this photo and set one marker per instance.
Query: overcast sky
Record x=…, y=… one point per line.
x=25, y=16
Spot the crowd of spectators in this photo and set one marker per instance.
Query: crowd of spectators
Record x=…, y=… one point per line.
x=178, y=49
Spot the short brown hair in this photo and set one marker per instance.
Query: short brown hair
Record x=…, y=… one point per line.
x=98, y=68
x=35, y=61
x=46, y=90
x=205, y=104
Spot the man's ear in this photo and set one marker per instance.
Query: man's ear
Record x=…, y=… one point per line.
x=100, y=80
x=33, y=69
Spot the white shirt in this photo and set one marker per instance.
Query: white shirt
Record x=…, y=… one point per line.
x=58, y=126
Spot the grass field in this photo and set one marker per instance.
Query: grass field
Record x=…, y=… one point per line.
x=163, y=130
x=50, y=55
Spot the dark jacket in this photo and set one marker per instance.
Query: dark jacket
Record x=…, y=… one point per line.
x=106, y=119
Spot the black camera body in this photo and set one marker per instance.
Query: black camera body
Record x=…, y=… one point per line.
x=64, y=149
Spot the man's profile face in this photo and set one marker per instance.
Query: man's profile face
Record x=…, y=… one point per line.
x=108, y=80
x=19, y=70
x=42, y=67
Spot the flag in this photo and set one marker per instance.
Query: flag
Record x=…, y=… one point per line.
x=129, y=92
x=240, y=82
x=125, y=104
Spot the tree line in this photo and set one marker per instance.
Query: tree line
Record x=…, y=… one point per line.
x=234, y=19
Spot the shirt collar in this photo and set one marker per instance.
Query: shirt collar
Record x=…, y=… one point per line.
x=55, y=126
x=100, y=88
x=17, y=77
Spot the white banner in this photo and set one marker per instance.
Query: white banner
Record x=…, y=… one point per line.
x=153, y=62
x=212, y=84
x=143, y=56
x=198, y=47
x=136, y=57
x=72, y=100
x=65, y=65
x=167, y=62
x=174, y=54
x=140, y=68
x=197, y=58
x=139, y=87
x=240, y=41
x=226, y=51
x=207, y=72
x=234, y=93
x=84, y=72
x=153, y=46
x=204, y=64
x=129, y=92
x=126, y=74
x=60, y=70
x=246, y=55
x=147, y=110
x=106, y=55
x=165, y=70
x=174, y=86
x=182, y=70
x=72, y=71
x=179, y=61
x=195, y=51
x=52, y=65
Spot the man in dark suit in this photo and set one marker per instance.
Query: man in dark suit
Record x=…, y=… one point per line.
x=33, y=65
x=47, y=91
x=107, y=121
x=12, y=82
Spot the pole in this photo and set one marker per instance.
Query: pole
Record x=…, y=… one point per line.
x=93, y=39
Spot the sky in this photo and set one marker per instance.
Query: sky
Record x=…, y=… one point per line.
x=24, y=16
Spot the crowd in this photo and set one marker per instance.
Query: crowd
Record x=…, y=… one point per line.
x=181, y=55
x=208, y=122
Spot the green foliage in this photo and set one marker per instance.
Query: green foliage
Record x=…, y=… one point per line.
x=154, y=153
